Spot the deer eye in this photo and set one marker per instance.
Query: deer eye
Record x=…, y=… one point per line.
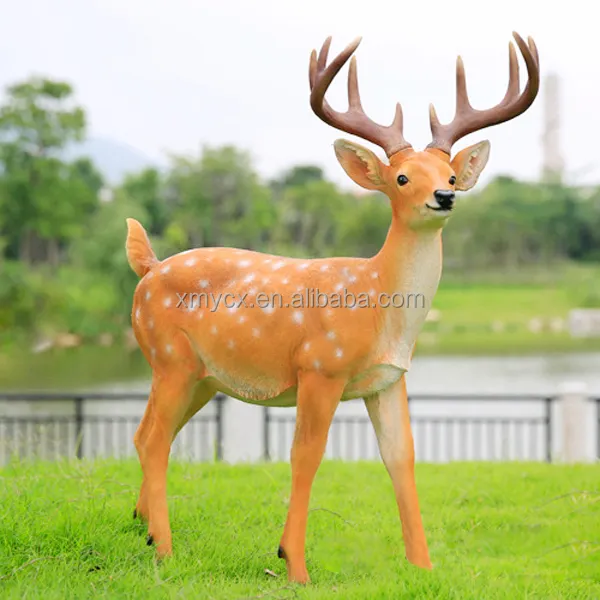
x=452, y=180
x=402, y=179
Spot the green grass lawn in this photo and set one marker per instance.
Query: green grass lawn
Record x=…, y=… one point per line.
x=495, y=531
x=493, y=313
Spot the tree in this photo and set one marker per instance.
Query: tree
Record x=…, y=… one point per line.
x=309, y=218
x=218, y=199
x=43, y=198
x=147, y=189
x=298, y=175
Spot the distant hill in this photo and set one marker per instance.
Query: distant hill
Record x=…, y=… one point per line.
x=113, y=159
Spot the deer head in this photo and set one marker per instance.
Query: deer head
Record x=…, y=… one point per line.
x=420, y=185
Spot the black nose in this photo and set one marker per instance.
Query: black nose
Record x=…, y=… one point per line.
x=445, y=198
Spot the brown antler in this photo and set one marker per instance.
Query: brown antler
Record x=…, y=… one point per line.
x=354, y=120
x=468, y=119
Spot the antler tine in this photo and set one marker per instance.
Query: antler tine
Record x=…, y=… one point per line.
x=353, y=92
x=513, y=77
x=354, y=120
x=468, y=119
x=462, y=97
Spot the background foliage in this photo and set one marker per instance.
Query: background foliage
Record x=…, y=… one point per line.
x=62, y=260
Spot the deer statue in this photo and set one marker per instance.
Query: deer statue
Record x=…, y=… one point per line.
x=269, y=348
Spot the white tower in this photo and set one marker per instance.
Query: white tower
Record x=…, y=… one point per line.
x=553, y=163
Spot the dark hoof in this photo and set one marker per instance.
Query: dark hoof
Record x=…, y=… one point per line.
x=280, y=552
x=149, y=540
x=135, y=513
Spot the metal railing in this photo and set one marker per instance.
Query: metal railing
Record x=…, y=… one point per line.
x=79, y=430
x=91, y=425
x=437, y=437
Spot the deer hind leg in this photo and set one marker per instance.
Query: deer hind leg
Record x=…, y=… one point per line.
x=388, y=412
x=204, y=392
x=172, y=394
x=202, y=395
x=139, y=439
x=317, y=400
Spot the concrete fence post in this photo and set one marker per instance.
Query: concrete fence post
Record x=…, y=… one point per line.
x=573, y=408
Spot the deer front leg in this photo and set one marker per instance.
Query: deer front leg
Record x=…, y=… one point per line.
x=317, y=400
x=388, y=412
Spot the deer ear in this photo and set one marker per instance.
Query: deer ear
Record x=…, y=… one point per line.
x=360, y=164
x=469, y=163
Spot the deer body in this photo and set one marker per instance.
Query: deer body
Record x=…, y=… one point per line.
x=189, y=306
x=278, y=350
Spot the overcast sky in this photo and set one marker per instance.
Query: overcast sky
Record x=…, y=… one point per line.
x=171, y=75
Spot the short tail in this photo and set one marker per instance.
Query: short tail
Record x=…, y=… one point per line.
x=140, y=255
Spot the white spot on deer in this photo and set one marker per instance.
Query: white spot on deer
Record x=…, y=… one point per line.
x=267, y=261
x=361, y=267
x=153, y=352
x=168, y=301
x=266, y=280
x=249, y=278
x=307, y=346
x=138, y=312
x=339, y=353
x=324, y=268
x=149, y=275
x=302, y=266
x=338, y=287
x=244, y=263
x=150, y=324
x=256, y=332
x=374, y=275
x=213, y=330
x=371, y=292
x=203, y=283
x=285, y=281
x=278, y=265
x=242, y=319
x=233, y=308
x=165, y=269
x=298, y=317
x=190, y=262
x=352, y=278
x=230, y=344
x=147, y=295
x=168, y=349
x=201, y=314
x=269, y=309
x=331, y=335
x=317, y=364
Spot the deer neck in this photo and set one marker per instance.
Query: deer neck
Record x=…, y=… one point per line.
x=410, y=261
x=409, y=267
